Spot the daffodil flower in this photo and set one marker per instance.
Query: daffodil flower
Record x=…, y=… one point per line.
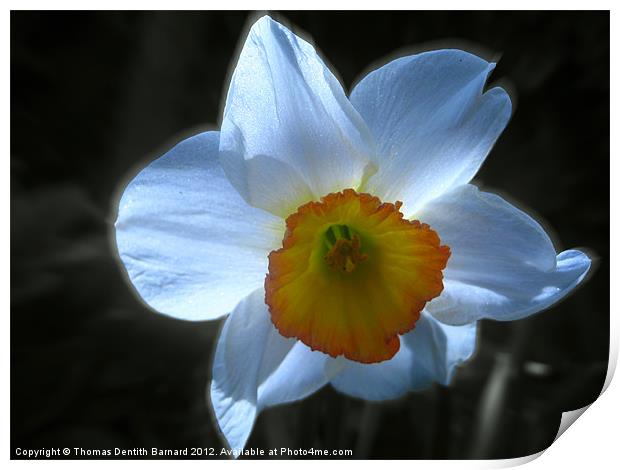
x=341, y=235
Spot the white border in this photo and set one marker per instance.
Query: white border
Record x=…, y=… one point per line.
x=310, y=5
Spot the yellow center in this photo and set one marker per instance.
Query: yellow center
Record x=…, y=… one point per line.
x=352, y=275
x=344, y=249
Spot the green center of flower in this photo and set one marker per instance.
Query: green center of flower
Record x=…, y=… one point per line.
x=344, y=248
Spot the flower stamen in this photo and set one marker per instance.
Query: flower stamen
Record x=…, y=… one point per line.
x=344, y=250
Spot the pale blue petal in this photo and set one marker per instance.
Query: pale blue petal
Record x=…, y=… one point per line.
x=430, y=353
x=255, y=367
x=502, y=264
x=192, y=247
x=432, y=124
x=289, y=133
x=299, y=374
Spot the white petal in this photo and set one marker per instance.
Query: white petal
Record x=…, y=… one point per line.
x=502, y=264
x=289, y=133
x=429, y=353
x=192, y=247
x=255, y=367
x=432, y=125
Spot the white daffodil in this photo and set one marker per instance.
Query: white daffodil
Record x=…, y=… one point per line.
x=340, y=234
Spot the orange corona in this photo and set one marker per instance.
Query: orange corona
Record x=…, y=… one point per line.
x=352, y=275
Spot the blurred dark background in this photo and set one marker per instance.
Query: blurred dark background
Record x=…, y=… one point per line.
x=96, y=95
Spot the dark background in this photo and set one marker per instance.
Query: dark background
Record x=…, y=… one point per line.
x=94, y=96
